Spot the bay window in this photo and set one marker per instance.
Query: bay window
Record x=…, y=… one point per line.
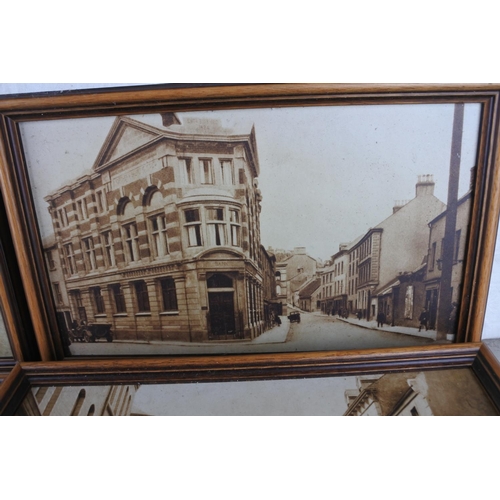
x=216, y=227
x=193, y=227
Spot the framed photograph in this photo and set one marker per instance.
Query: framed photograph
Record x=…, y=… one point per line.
x=253, y=219
x=454, y=380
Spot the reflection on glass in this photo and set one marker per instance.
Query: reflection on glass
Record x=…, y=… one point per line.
x=5, y=350
x=398, y=394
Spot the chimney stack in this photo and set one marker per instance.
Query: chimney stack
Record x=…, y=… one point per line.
x=398, y=205
x=425, y=185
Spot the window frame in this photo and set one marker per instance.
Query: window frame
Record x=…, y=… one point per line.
x=158, y=238
x=196, y=224
x=169, y=302
x=142, y=300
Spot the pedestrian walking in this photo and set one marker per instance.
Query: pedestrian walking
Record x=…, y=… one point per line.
x=277, y=320
x=380, y=319
x=423, y=318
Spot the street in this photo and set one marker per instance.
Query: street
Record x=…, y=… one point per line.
x=320, y=332
x=315, y=332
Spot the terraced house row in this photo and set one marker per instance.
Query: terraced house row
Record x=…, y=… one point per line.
x=161, y=238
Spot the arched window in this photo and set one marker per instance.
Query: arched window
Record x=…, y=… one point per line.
x=91, y=411
x=219, y=281
x=78, y=403
x=125, y=207
x=278, y=276
x=153, y=198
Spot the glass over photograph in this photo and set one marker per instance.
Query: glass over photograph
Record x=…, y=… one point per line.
x=256, y=230
x=429, y=393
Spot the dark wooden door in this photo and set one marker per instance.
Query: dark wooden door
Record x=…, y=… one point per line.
x=221, y=306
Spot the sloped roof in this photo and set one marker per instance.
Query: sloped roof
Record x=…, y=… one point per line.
x=309, y=288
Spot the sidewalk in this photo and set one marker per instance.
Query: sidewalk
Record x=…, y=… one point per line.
x=275, y=335
x=405, y=330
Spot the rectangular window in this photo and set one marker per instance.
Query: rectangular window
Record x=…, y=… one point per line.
x=50, y=260
x=456, y=249
x=186, y=170
x=69, y=256
x=226, y=170
x=216, y=231
x=98, y=300
x=409, y=302
x=193, y=227
x=206, y=172
x=109, y=250
x=235, y=235
x=89, y=253
x=131, y=242
x=102, y=205
x=119, y=298
x=158, y=228
x=142, y=296
x=63, y=217
x=432, y=257
x=78, y=304
x=192, y=215
x=82, y=209
x=169, y=295
x=57, y=293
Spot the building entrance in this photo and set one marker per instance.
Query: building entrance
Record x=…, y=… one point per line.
x=431, y=303
x=222, y=319
x=221, y=306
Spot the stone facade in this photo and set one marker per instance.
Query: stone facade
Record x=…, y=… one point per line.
x=161, y=239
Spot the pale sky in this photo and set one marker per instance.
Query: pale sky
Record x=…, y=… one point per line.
x=327, y=174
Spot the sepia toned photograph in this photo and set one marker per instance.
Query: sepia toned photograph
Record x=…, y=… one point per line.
x=255, y=230
x=451, y=392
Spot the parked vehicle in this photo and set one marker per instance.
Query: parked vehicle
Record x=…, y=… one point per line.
x=91, y=332
x=294, y=317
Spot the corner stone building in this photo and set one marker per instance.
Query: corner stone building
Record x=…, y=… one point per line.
x=161, y=239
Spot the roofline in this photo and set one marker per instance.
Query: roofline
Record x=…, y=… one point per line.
x=461, y=200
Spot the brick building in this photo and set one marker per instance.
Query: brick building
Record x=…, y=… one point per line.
x=161, y=238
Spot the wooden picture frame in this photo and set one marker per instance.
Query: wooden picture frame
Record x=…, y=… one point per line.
x=483, y=387
x=168, y=100
x=13, y=307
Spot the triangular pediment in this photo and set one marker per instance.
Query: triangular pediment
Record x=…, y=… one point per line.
x=126, y=135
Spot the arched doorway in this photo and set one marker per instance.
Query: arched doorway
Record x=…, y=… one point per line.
x=221, y=306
